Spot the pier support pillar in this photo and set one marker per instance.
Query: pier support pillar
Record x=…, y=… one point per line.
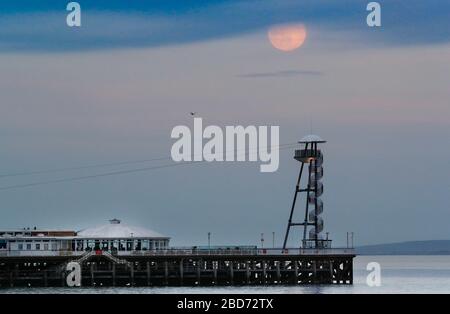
x=314, y=268
x=61, y=274
x=92, y=274
x=132, y=274
x=148, y=274
x=113, y=266
x=181, y=272
x=295, y=272
x=231, y=272
x=247, y=271
x=198, y=271
x=278, y=272
x=351, y=272
x=263, y=265
x=45, y=278
x=166, y=273
x=330, y=264
x=214, y=266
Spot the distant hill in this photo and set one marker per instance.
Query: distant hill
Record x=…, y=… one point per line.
x=433, y=247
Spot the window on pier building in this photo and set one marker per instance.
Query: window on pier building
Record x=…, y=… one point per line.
x=122, y=245
x=137, y=245
x=91, y=245
x=115, y=245
x=129, y=245
x=38, y=246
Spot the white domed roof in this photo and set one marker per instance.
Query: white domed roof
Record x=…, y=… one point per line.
x=311, y=138
x=116, y=229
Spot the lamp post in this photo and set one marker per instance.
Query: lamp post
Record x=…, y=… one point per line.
x=273, y=239
x=262, y=240
x=209, y=240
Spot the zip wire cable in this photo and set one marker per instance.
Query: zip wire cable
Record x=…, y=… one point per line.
x=120, y=163
x=112, y=173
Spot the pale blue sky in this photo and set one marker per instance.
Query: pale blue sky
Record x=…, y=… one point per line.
x=113, y=90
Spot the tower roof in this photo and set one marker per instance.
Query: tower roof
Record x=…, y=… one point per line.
x=311, y=138
x=116, y=229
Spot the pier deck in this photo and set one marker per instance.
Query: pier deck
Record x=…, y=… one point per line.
x=181, y=267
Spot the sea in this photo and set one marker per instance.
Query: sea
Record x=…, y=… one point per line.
x=398, y=274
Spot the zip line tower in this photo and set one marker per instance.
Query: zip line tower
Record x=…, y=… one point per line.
x=312, y=223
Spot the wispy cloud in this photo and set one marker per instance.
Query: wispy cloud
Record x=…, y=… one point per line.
x=285, y=73
x=29, y=26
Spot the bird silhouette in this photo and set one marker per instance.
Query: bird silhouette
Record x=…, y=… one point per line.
x=193, y=113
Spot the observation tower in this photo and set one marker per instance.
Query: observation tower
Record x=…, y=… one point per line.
x=311, y=156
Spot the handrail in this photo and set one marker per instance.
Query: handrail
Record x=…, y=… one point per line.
x=308, y=153
x=84, y=257
x=116, y=259
x=259, y=251
x=107, y=254
x=188, y=252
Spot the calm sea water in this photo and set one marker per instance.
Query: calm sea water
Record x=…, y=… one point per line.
x=399, y=274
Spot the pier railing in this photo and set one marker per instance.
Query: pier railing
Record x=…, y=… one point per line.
x=192, y=252
x=268, y=252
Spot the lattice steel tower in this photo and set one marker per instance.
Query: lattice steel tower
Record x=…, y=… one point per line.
x=310, y=154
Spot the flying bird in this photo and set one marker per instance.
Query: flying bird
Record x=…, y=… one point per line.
x=193, y=113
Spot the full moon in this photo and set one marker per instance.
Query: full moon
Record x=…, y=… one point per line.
x=287, y=37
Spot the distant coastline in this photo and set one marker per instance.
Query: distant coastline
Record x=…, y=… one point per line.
x=431, y=247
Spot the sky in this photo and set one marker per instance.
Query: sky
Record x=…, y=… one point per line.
x=112, y=90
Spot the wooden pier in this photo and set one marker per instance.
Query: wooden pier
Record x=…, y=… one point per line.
x=184, y=268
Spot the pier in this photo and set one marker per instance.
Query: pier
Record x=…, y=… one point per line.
x=117, y=254
x=183, y=267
